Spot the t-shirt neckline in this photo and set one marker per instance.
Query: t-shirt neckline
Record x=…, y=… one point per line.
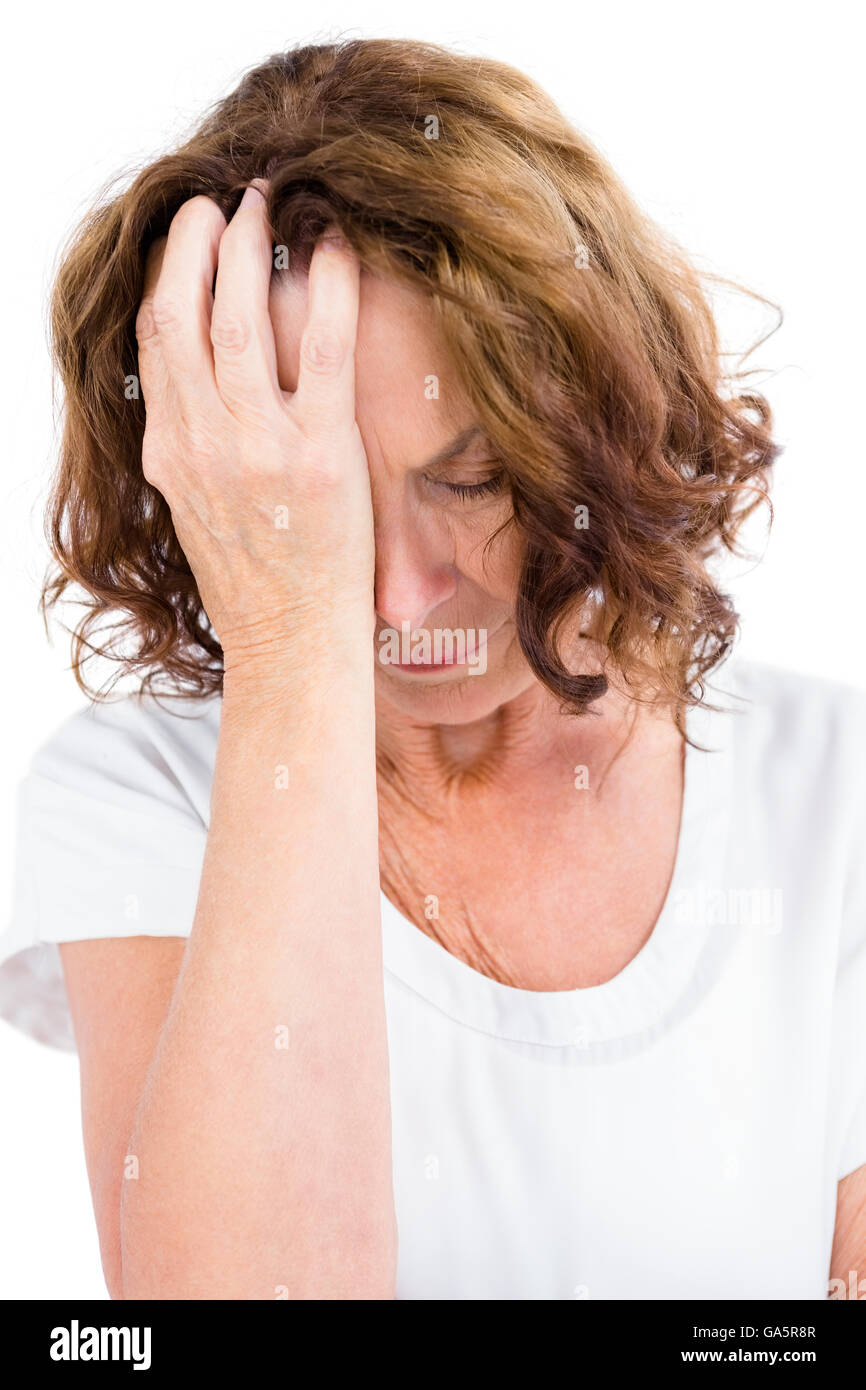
x=666, y=976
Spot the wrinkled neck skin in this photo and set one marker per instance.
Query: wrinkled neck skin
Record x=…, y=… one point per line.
x=525, y=742
x=523, y=821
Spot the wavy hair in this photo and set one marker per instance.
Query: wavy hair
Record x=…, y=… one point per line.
x=582, y=332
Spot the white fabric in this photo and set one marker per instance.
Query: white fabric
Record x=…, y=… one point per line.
x=677, y=1132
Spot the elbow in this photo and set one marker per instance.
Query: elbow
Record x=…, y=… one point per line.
x=364, y=1273
x=112, y=1271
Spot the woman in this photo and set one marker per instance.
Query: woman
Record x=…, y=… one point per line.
x=435, y=899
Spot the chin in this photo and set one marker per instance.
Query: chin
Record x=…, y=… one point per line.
x=453, y=696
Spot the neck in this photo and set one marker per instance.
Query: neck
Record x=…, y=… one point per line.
x=522, y=736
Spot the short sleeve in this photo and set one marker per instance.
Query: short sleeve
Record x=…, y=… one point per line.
x=848, y=1059
x=111, y=825
x=849, y=1051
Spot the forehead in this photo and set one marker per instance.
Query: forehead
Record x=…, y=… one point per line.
x=408, y=399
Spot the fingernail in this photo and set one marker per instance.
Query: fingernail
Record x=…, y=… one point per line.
x=251, y=195
x=335, y=239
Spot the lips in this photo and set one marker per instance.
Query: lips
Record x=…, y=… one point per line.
x=450, y=647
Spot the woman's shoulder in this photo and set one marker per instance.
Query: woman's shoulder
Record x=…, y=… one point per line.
x=135, y=745
x=111, y=827
x=788, y=687
x=794, y=760
x=793, y=713
x=797, y=774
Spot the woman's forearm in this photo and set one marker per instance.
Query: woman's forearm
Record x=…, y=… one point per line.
x=263, y=1134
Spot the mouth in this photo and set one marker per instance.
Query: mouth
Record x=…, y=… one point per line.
x=465, y=650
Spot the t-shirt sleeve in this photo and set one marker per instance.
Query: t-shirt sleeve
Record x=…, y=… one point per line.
x=849, y=1024
x=111, y=825
x=849, y=1050
x=852, y=1031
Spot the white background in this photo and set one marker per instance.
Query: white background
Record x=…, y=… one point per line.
x=737, y=126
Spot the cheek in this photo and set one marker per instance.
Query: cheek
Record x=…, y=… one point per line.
x=491, y=565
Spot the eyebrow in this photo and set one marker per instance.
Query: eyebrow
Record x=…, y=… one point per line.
x=457, y=445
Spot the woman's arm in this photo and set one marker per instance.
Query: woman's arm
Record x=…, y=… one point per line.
x=119, y=991
x=261, y=1136
x=848, y=1261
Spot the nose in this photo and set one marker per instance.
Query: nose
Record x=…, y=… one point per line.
x=411, y=580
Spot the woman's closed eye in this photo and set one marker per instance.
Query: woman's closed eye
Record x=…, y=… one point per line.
x=467, y=492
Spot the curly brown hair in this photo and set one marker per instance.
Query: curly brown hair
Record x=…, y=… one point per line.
x=583, y=335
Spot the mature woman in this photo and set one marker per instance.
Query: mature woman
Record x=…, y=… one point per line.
x=425, y=930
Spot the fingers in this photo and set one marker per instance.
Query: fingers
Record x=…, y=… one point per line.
x=244, y=355
x=204, y=350
x=325, y=398
x=152, y=370
x=174, y=321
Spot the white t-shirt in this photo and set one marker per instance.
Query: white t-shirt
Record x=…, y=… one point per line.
x=676, y=1132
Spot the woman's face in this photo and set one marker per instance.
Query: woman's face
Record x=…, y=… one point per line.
x=442, y=594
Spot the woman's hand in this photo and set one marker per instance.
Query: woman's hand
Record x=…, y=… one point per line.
x=269, y=492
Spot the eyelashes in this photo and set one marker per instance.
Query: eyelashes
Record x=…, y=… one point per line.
x=467, y=492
